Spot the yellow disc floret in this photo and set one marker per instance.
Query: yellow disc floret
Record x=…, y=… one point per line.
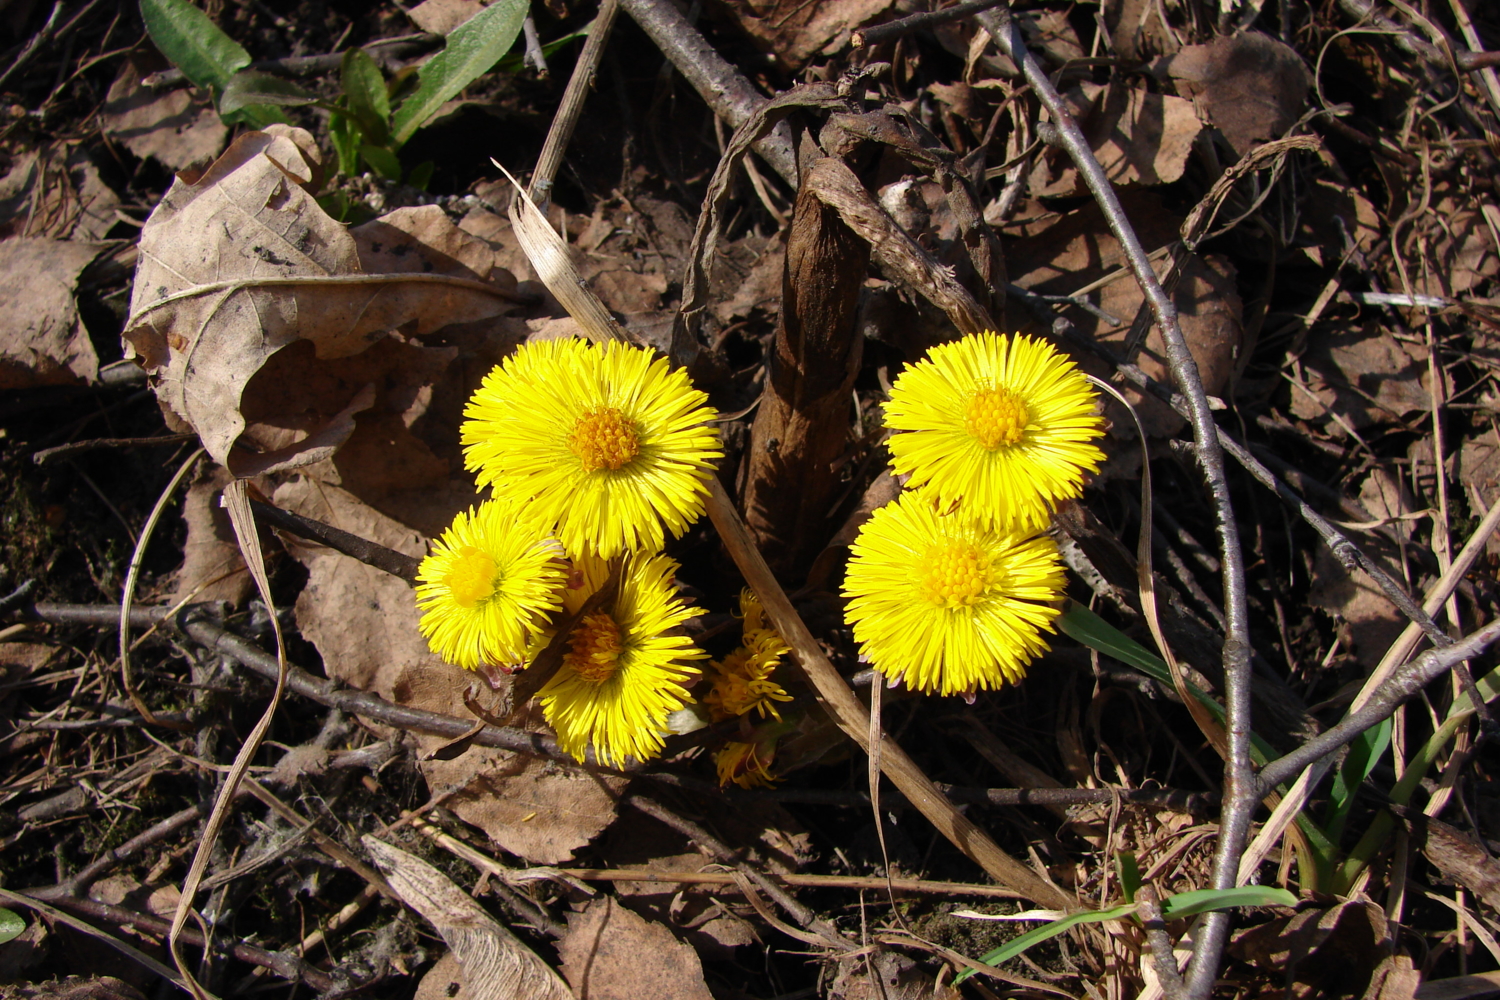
x=996, y=418
x=956, y=574
x=604, y=438
x=471, y=576
x=594, y=650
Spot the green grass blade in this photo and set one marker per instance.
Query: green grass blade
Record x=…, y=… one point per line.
x=1011, y=949
x=11, y=925
x=1188, y=904
x=472, y=49
x=193, y=43
x=369, y=100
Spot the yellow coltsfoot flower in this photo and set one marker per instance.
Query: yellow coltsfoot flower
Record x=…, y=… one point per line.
x=1002, y=426
x=746, y=764
x=622, y=674
x=488, y=584
x=607, y=441
x=744, y=680
x=947, y=603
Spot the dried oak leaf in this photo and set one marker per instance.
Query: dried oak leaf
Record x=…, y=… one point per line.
x=1363, y=374
x=239, y=262
x=56, y=192
x=1060, y=255
x=169, y=126
x=497, y=965
x=1137, y=136
x=1321, y=953
x=364, y=623
x=795, y=30
x=611, y=953
x=1250, y=85
x=1371, y=621
x=42, y=339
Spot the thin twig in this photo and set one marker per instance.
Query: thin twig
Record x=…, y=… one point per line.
x=568, y=112
x=72, y=448
x=727, y=93
x=535, y=57
x=916, y=22
x=1149, y=911
x=1239, y=791
x=398, y=564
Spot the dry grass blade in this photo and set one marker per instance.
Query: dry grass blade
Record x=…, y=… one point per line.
x=497, y=966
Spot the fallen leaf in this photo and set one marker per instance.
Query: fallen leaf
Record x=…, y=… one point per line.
x=56, y=193
x=1371, y=621
x=169, y=126
x=212, y=567
x=611, y=953
x=795, y=30
x=1136, y=29
x=240, y=262
x=444, y=981
x=1137, y=136
x=1361, y=373
x=441, y=16
x=1321, y=953
x=42, y=339
x=887, y=975
x=1067, y=252
x=75, y=988
x=496, y=964
x=1471, y=987
x=1250, y=85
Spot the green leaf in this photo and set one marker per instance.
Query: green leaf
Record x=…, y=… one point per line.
x=193, y=43
x=1364, y=753
x=1012, y=948
x=369, y=101
x=382, y=161
x=1187, y=904
x=1130, y=874
x=472, y=49
x=248, y=88
x=11, y=925
x=421, y=175
x=344, y=132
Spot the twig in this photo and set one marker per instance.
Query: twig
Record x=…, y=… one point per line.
x=398, y=564
x=38, y=41
x=727, y=93
x=285, y=966
x=812, y=881
x=535, y=57
x=1239, y=792
x=18, y=597
x=1404, y=684
x=72, y=448
x=92, y=872
x=386, y=52
x=568, y=112
x=1149, y=911
x=916, y=22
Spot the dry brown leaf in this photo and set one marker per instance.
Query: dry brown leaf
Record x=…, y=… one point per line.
x=210, y=557
x=611, y=953
x=496, y=964
x=23, y=953
x=1250, y=85
x=1048, y=33
x=56, y=193
x=364, y=623
x=1364, y=375
x=795, y=30
x=899, y=978
x=1474, y=986
x=442, y=16
x=240, y=262
x=1137, y=136
x=42, y=339
x=1066, y=253
x=74, y=988
x=1323, y=953
x=166, y=125
x=444, y=981
x=1462, y=249
x=1136, y=29
x=1372, y=622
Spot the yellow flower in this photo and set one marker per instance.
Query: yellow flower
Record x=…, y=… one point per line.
x=746, y=764
x=608, y=442
x=488, y=583
x=622, y=675
x=947, y=603
x=743, y=680
x=1003, y=426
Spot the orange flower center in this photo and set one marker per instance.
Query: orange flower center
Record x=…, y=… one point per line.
x=594, y=650
x=604, y=438
x=996, y=418
x=471, y=576
x=957, y=574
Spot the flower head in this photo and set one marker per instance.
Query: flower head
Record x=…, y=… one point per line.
x=487, y=585
x=743, y=681
x=622, y=675
x=746, y=764
x=608, y=442
x=1003, y=426
x=947, y=603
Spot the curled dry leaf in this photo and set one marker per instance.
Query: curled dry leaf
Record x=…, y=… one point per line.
x=238, y=263
x=42, y=340
x=611, y=953
x=1250, y=85
x=496, y=965
x=795, y=31
x=1138, y=137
